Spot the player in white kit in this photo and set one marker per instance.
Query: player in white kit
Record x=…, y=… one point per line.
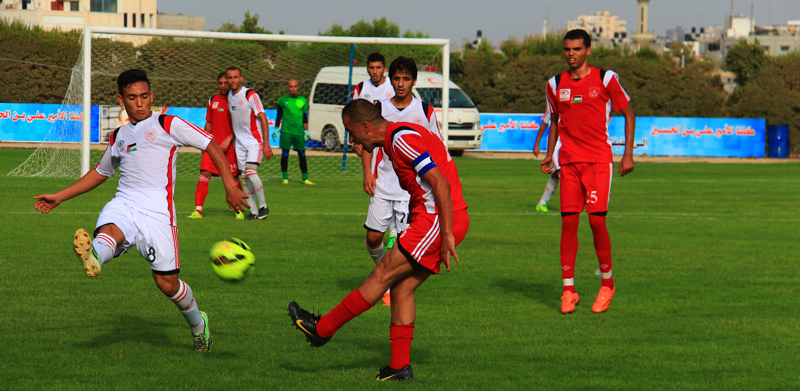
x=388, y=205
x=377, y=87
x=142, y=213
x=555, y=177
x=249, y=123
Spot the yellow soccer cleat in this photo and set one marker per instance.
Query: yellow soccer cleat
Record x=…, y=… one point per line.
x=307, y=182
x=196, y=215
x=83, y=249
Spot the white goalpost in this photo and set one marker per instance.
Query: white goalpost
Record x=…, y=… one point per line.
x=183, y=66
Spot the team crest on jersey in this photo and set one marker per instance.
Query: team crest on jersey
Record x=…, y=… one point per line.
x=389, y=94
x=366, y=96
x=418, y=120
x=563, y=95
x=594, y=92
x=150, y=135
x=214, y=105
x=120, y=143
x=241, y=102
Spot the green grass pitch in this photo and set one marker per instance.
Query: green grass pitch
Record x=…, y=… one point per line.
x=705, y=261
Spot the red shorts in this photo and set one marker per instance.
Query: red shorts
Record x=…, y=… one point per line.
x=420, y=243
x=207, y=165
x=585, y=184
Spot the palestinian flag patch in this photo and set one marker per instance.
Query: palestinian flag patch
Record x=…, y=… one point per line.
x=577, y=99
x=132, y=148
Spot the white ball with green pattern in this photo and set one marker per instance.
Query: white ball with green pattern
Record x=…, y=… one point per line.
x=232, y=260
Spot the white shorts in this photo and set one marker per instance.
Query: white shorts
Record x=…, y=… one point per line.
x=555, y=155
x=384, y=214
x=248, y=154
x=155, y=240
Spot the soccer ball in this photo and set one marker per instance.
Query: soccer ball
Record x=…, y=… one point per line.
x=232, y=260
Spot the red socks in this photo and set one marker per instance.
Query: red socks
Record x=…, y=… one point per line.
x=351, y=306
x=602, y=245
x=569, y=248
x=202, y=192
x=400, y=336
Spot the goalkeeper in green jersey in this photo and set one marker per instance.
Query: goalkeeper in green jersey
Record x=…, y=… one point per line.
x=292, y=123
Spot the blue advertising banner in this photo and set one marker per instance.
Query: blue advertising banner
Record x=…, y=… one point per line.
x=655, y=136
x=32, y=122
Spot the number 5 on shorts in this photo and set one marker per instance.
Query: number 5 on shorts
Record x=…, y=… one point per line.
x=591, y=197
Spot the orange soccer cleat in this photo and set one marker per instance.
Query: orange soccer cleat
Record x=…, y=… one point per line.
x=568, y=301
x=603, y=299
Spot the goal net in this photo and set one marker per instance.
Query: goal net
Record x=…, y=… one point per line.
x=183, y=66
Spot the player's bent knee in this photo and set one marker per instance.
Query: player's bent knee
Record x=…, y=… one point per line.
x=168, y=284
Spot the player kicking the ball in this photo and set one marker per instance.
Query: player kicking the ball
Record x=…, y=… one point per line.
x=580, y=101
x=439, y=222
x=142, y=213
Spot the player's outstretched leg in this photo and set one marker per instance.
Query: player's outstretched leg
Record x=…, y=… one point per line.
x=182, y=295
x=602, y=245
x=82, y=245
x=307, y=323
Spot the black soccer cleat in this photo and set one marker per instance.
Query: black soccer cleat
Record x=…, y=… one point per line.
x=251, y=216
x=387, y=373
x=307, y=323
x=263, y=213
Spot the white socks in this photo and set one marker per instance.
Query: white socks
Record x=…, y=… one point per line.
x=104, y=247
x=184, y=299
x=551, y=187
x=375, y=253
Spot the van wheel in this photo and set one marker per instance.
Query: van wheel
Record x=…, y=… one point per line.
x=330, y=139
x=456, y=152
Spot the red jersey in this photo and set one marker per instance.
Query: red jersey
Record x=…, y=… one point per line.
x=219, y=117
x=584, y=108
x=414, y=151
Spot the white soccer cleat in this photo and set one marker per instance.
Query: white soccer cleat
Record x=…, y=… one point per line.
x=83, y=248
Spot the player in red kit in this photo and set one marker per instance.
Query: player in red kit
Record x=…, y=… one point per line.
x=580, y=101
x=439, y=222
x=218, y=123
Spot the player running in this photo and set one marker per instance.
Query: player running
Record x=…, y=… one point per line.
x=581, y=100
x=552, y=184
x=142, y=213
x=218, y=123
x=292, y=122
x=249, y=123
x=439, y=223
x=388, y=203
x=377, y=87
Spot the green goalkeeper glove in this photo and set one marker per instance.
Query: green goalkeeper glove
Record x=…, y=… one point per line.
x=275, y=135
x=305, y=135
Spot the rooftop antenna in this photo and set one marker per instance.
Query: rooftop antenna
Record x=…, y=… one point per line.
x=546, y=26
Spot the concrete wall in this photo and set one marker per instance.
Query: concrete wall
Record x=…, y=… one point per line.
x=181, y=22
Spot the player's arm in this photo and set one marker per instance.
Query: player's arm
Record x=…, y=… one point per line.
x=539, y=138
x=226, y=143
x=626, y=164
x=46, y=202
x=444, y=202
x=233, y=195
x=551, y=145
x=278, y=119
x=369, y=179
x=265, y=125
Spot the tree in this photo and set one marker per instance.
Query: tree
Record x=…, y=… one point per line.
x=379, y=28
x=745, y=60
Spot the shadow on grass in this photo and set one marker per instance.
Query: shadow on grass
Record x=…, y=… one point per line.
x=548, y=295
x=128, y=328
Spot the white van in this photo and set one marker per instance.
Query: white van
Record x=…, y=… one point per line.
x=329, y=95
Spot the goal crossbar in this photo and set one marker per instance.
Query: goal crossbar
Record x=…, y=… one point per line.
x=87, y=68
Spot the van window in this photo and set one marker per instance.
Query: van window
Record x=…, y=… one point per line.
x=330, y=94
x=433, y=97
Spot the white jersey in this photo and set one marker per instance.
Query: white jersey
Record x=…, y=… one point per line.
x=387, y=185
x=367, y=90
x=147, y=154
x=244, y=107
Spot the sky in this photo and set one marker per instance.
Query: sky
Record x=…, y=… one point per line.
x=459, y=19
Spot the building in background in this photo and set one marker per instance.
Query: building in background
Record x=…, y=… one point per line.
x=69, y=15
x=601, y=25
x=643, y=36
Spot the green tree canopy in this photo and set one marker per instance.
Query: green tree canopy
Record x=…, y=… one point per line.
x=745, y=60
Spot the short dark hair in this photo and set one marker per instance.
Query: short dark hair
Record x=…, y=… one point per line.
x=362, y=110
x=223, y=74
x=130, y=77
x=403, y=64
x=233, y=69
x=376, y=57
x=579, y=34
